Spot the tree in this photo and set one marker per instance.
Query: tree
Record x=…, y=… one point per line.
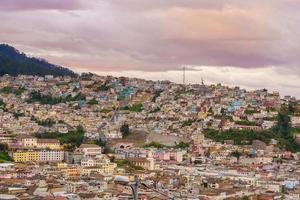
x=182, y=145
x=2, y=104
x=36, y=96
x=291, y=108
x=13, y=62
x=107, y=150
x=3, y=147
x=125, y=130
x=155, y=145
x=136, y=107
x=48, y=122
x=74, y=138
x=92, y=101
x=3, y=153
x=237, y=155
x=283, y=122
x=103, y=87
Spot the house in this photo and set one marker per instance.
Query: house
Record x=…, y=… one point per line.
x=7, y=166
x=295, y=121
x=29, y=142
x=70, y=171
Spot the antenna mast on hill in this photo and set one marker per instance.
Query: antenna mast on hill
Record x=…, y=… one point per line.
x=183, y=78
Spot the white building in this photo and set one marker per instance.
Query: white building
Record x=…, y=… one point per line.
x=7, y=167
x=50, y=156
x=295, y=121
x=90, y=149
x=29, y=142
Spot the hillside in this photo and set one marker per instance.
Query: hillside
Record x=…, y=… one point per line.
x=15, y=63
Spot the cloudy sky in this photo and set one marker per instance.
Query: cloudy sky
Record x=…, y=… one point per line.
x=254, y=44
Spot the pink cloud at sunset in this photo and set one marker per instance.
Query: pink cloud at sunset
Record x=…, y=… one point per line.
x=148, y=38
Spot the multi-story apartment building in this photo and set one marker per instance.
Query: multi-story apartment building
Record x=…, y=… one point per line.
x=25, y=156
x=70, y=171
x=51, y=155
x=39, y=156
x=99, y=165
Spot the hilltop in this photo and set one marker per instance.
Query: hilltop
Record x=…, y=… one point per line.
x=14, y=63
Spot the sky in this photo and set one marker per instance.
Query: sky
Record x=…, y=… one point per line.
x=253, y=44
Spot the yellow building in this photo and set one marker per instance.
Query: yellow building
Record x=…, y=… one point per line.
x=202, y=115
x=25, y=156
x=71, y=172
x=101, y=169
x=62, y=165
x=88, y=170
x=109, y=168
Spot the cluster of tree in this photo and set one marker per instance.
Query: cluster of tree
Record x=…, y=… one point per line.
x=2, y=104
x=157, y=93
x=6, y=90
x=138, y=107
x=74, y=138
x=236, y=154
x=4, y=154
x=18, y=114
x=155, y=145
x=282, y=132
x=14, y=63
x=188, y=122
x=86, y=76
x=181, y=145
x=270, y=118
x=294, y=109
x=99, y=142
x=102, y=87
x=103, y=144
x=125, y=130
x=36, y=96
x=246, y=123
x=92, y=102
x=10, y=90
x=240, y=137
x=47, y=122
x=127, y=165
x=251, y=111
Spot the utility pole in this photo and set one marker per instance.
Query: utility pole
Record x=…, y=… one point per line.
x=135, y=188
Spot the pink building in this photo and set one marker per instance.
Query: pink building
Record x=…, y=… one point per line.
x=168, y=156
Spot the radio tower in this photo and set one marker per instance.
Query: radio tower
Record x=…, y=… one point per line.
x=183, y=78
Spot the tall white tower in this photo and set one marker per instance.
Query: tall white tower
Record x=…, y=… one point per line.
x=183, y=75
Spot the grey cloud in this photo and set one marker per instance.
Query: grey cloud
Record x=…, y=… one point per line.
x=23, y=5
x=156, y=35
